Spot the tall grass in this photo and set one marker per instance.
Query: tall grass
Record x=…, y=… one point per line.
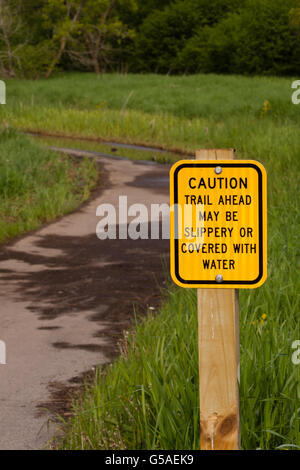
x=149, y=398
x=37, y=185
x=197, y=96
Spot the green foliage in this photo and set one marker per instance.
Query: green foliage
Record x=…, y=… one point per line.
x=164, y=33
x=295, y=18
x=164, y=36
x=99, y=33
x=161, y=36
x=37, y=37
x=255, y=40
x=35, y=59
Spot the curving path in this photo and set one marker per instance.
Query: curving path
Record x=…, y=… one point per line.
x=66, y=297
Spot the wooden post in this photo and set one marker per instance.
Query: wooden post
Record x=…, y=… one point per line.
x=218, y=323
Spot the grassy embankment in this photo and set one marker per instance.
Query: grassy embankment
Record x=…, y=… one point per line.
x=37, y=185
x=149, y=397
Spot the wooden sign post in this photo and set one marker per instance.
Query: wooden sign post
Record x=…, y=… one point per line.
x=218, y=330
x=218, y=245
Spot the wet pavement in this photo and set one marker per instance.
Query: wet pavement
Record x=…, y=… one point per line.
x=67, y=296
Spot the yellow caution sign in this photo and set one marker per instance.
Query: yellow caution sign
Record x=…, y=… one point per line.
x=218, y=223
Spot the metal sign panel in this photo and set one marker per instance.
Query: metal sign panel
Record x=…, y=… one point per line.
x=218, y=223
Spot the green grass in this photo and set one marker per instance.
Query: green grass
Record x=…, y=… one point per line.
x=149, y=397
x=38, y=185
x=171, y=112
x=197, y=96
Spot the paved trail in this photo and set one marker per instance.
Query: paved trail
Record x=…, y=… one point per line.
x=65, y=298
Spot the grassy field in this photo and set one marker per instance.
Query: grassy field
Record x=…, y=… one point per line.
x=149, y=398
x=197, y=96
x=38, y=185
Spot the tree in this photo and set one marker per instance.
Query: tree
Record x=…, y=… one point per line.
x=295, y=18
x=10, y=24
x=134, y=18
x=63, y=16
x=98, y=31
x=256, y=39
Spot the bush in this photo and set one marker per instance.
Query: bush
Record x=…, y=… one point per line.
x=35, y=59
x=256, y=40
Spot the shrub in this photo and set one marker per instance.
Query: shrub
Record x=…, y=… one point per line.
x=164, y=34
x=256, y=40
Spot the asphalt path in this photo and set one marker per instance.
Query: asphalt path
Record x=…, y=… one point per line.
x=67, y=296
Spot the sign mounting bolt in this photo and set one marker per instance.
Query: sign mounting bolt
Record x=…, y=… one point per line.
x=218, y=170
x=219, y=278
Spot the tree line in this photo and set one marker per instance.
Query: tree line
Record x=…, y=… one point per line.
x=39, y=37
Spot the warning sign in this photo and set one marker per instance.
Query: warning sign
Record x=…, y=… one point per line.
x=218, y=223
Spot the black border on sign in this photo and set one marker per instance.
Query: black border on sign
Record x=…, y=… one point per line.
x=260, y=218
